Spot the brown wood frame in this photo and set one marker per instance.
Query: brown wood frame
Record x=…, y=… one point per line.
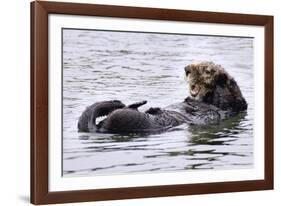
x=39, y=102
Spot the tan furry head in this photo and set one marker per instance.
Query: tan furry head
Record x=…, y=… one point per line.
x=210, y=83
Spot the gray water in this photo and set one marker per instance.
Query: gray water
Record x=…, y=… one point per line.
x=104, y=65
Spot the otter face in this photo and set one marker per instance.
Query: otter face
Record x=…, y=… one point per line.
x=203, y=78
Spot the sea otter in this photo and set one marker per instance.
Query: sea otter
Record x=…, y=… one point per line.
x=214, y=96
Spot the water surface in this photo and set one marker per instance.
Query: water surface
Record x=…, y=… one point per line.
x=104, y=65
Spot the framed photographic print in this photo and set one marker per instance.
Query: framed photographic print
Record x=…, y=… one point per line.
x=131, y=102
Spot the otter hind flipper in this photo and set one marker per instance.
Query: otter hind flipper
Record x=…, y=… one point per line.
x=137, y=104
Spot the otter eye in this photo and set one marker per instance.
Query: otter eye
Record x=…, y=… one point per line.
x=207, y=72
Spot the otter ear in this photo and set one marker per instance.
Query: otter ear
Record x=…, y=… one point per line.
x=222, y=79
x=187, y=70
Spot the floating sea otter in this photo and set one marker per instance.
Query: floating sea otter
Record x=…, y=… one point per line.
x=215, y=96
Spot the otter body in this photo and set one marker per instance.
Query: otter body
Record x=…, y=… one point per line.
x=215, y=96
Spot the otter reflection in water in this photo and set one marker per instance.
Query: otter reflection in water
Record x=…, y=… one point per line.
x=214, y=96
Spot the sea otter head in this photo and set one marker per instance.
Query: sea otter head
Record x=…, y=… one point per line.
x=203, y=78
x=210, y=83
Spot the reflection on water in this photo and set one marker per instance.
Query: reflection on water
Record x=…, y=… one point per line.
x=101, y=65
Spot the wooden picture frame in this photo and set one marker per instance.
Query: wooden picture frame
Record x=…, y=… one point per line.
x=40, y=193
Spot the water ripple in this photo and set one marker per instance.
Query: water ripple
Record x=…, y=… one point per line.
x=99, y=65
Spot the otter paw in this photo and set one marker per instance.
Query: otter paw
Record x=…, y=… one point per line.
x=154, y=110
